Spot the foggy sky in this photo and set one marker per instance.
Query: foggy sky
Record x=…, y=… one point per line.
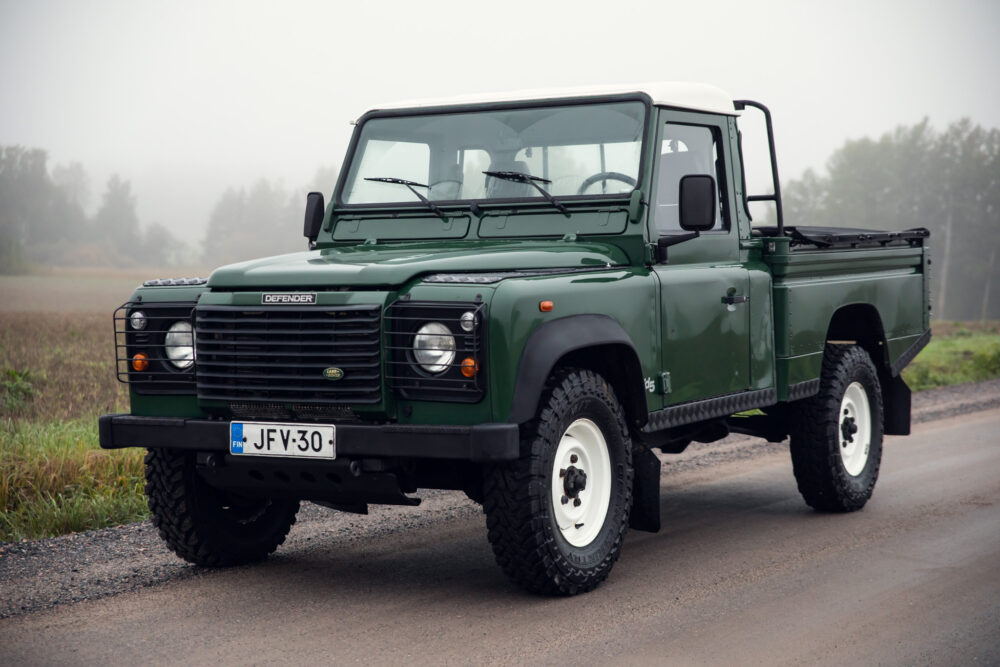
x=186, y=98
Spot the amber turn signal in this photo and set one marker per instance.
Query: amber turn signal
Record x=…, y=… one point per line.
x=546, y=306
x=140, y=362
x=469, y=367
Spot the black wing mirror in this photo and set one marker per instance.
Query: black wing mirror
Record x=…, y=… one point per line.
x=697, y=203
x=315, y=207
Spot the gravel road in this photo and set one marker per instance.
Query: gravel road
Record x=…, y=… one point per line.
x=737, y=567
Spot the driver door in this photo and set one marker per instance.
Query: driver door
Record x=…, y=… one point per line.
x=704, y=290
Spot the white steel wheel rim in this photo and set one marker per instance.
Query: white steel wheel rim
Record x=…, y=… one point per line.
x=855, y=429
x=580, y=513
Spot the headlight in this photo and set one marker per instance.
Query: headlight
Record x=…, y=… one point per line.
x=179, y=344
x=138, y=320
x=434, y=347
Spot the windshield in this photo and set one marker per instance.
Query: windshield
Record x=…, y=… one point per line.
x=583, y=149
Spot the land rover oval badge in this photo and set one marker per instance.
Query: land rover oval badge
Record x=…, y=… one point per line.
x=333, y=373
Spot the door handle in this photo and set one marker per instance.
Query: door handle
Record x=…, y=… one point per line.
x=733, y=299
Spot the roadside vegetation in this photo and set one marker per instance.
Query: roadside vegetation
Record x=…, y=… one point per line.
x=57, y=377
x=959, y=352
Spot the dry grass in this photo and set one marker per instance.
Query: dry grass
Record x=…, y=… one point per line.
x=58, y=366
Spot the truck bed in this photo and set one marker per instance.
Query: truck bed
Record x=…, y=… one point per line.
x=843, y=237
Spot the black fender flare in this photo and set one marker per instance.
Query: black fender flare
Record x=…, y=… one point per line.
x=553, y=340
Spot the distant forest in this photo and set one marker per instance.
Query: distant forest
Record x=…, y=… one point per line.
x=914, y=176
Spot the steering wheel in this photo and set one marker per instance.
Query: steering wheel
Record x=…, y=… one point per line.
x=605, y=176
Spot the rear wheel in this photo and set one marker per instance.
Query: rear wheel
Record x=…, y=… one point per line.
x=208, y=526
x=557, y=516
x=836, y=435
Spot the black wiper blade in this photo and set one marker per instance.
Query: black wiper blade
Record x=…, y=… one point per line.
x=533, y=181
x=412, y=184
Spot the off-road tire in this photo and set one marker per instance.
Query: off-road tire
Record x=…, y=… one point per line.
x=207, y=526
x=518, y=503
x=816, y=439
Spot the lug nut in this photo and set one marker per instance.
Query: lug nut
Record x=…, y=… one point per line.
x=564, y=500
x=576, y=502
x=573, y=458
x=562, y=472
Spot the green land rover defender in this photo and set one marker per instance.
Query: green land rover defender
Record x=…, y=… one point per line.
x=521, y=296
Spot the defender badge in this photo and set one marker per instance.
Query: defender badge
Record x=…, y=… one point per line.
x=288, y=299
x=333, y=373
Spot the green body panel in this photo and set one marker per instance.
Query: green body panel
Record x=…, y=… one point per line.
x=627, y=296
x=705, y=343
x=810, y=286
x=762, y=371
x=391, y=229
x=546, y=224
x=382, y=265
x=673, y=312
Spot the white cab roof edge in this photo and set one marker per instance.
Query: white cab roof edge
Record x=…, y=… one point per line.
x=678, y=94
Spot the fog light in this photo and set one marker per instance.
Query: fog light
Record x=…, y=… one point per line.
x=469, y=367
x=468, y=321
x=140, y=362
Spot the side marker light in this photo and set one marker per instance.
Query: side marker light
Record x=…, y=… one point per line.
x=140, y=362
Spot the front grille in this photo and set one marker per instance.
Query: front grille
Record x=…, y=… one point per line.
x=283, y=354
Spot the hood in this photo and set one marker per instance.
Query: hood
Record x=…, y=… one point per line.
x=396, y=264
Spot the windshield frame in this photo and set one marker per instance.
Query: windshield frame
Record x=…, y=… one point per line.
x=464, y=204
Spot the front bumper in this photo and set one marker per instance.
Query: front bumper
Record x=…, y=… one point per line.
x=481, y=443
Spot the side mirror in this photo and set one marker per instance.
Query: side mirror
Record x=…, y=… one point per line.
x=315, y=208
x=697, y=203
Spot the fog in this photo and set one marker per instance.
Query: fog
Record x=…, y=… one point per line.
x=187, y=98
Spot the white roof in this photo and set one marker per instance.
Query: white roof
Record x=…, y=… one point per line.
x=679, y=94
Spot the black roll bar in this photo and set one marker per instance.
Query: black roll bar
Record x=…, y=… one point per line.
x=740, y=105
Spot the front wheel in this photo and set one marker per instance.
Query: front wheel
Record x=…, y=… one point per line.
x=836, y=435
x=208, y=526
x=557, y=516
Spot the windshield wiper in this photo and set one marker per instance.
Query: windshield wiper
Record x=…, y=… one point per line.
x=521, y=177
x=412, y=184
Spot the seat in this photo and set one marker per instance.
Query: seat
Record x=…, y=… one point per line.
x=498, y=188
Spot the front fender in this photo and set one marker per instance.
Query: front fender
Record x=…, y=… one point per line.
x=555, y=340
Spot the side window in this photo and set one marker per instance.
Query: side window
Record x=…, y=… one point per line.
x=686, y=149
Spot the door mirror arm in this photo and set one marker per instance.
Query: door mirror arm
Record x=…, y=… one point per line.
x=665, y=242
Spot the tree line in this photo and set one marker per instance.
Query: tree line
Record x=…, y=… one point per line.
x=43, y=219
x=947, y=181
x=913, y=176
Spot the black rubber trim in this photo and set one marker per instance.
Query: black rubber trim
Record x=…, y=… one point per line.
x=803, y=389
x=910, y=352
x=482, y=442
x=553, y=340
x=721, y=406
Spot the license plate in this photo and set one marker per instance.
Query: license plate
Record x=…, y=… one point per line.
x=274, y=439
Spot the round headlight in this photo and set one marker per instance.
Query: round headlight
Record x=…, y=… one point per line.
x=138, y=320
x=179, y=344
x=468, y=321
x=434, y=347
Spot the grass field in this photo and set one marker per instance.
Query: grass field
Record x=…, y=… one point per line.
x=57, y=377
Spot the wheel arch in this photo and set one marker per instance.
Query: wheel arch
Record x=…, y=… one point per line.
x=596, y=342
x=862, y=323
